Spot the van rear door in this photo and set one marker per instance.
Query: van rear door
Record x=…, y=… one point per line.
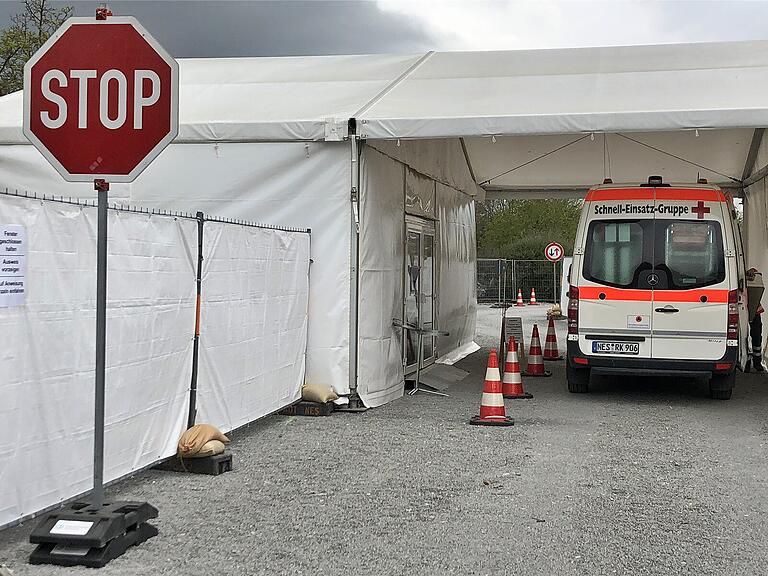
x=690, y=296
x=615, y=302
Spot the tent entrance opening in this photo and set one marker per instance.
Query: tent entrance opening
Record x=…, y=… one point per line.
x=418, y=305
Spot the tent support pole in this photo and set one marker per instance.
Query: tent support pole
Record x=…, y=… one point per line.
x=754, y=147
x=756, y=176
x=355, y=403
x=196, y=340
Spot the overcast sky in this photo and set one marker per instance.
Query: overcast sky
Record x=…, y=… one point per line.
x=225, y=28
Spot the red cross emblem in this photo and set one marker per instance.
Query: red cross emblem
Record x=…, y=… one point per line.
x=700, y=210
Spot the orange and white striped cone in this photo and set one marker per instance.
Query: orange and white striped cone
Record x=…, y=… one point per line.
x=533, y=298
x=550, y=343
x=535, y=360
x=512, y=382
x=492, y=411
x=519, y=298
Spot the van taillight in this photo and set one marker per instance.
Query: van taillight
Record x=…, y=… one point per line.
x=733, y=315
x=573, y=310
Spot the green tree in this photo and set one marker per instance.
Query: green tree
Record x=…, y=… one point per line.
x=485, y=211
x=521, y=229
x=29, y=29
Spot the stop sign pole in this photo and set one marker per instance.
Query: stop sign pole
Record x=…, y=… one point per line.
x=100, y=103
x=102, y=186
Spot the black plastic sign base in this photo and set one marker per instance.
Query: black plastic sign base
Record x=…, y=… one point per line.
x=210, y=465
x=86, y=535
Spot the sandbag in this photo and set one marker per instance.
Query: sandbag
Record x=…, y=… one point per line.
x=318, y=393
x=210, y=448
x=193, y=440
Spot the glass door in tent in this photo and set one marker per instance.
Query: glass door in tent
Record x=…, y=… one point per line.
x=419, y=290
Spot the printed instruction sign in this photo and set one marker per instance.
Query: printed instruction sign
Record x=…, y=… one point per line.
x=513, y=326
x=13, y=265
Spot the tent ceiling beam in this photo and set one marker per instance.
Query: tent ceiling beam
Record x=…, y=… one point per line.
x=392, y=85
x=756, y=177
x=754, y=147
x=467, y=158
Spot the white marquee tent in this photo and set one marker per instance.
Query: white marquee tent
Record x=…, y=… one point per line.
x=353, y=146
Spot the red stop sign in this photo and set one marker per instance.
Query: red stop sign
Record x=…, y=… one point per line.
x=101, y=99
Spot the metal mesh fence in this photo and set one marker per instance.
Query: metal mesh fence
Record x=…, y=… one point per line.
x=490, y=280
x=498, y=280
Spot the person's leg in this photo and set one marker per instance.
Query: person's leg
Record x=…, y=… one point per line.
x=756, y=333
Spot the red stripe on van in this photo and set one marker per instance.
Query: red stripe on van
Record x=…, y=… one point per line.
x=695, y=194
x=689, y=194
x=593, y=293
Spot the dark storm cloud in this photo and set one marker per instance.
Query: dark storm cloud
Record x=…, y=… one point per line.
x=199, y=29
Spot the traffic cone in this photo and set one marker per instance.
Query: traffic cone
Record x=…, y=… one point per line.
x=492, y=411
x=535, y=360
x=519, y=298
x=512, y=383
x=533, y=298
x=550, y=343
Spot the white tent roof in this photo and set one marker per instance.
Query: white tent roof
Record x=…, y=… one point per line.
x=529, y=100
x=637, y=88
x=261, y=99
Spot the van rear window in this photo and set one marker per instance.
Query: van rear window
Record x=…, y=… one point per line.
x=614, y=252
x=685, y=254
x=693, y=253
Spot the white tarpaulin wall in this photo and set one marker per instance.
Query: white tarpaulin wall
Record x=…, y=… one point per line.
x=47, y=358
x=457, y=263
x=756, y=225
x=255, y=289
x=285, y=184
x=394, y=182
x=382, y=244
x=301, y=185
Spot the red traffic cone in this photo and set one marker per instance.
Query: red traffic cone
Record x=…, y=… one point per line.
x=550, y=343
x=512, y=383
x=492, y=411
x=533, y=298
x=535, y=360
x=519, y=298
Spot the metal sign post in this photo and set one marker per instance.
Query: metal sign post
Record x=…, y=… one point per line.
x=554, y=282
x=102, y=186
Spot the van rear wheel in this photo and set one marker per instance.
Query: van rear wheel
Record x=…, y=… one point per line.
x=721, y=386
x=578, y=379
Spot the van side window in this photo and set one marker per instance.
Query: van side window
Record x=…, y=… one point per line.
x=614, y=252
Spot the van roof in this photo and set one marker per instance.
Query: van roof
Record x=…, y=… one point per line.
x=681, y=192
x=643, y=185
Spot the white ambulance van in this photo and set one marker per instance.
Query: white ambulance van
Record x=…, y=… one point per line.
x=657, y=286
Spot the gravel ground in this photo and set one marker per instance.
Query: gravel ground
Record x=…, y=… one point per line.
x=638, y=477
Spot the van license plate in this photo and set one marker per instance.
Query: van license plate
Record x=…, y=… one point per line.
x=615, y=347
